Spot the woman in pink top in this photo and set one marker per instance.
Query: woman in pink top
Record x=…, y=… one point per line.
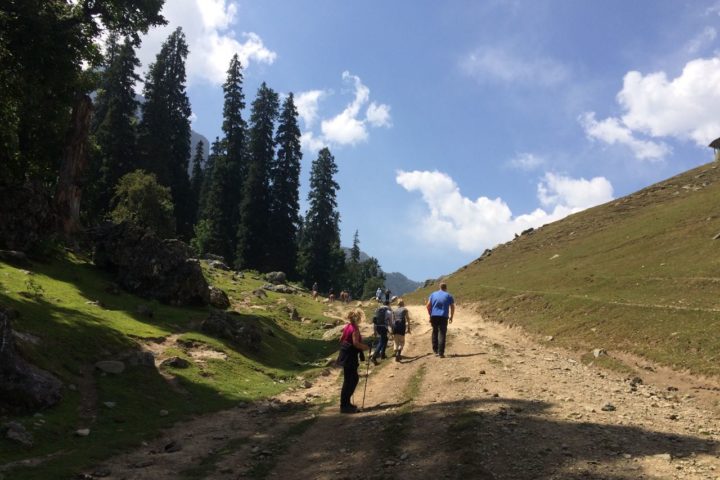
x=350, y=348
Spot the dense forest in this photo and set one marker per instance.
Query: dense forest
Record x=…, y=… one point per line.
x=79, y=149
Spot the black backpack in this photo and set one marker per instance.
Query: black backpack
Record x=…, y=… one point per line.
x=379, y=318
x=399, y=320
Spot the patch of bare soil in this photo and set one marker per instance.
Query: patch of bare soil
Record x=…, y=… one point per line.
x=499, y=406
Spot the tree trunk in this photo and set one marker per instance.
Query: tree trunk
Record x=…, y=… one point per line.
x=74, y=162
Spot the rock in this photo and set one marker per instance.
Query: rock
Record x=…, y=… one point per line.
x=164, y=413
x=173, y=446
x=549, y=338
x=212, y=256
x=175, y=362
x=102, y=473
x=276, y=278
x=279, y=288
x=608, y=407
x=115, y=367
x=599, y=352
x=16, y=432
x=218, y=264
x=307, y=384
x=663, y=456
x=147, y=265
x=110, y=404
x=260, y=293
x=22, y=385
x=231, y=326
x=218, y=298
x=294, y=314
x=82, y=432
x=139, y=358
x=13, y=256
x=144, y=311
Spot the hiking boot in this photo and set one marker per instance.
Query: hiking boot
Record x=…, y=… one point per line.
x=349, y=409
x=397, y=358
x=374, y=360
x=441, y=355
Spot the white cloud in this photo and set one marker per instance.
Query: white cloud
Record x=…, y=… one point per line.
x=211, y=41
x=473, y=225
x=378, y=115
x=307, y=105
x=309, y=142
x=347, y=127
x=612, y=131
x=707, y=36
x=527, y=161
x=683, y=108
x=495, y=64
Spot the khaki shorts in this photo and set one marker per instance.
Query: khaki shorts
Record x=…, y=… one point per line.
x=398, y=341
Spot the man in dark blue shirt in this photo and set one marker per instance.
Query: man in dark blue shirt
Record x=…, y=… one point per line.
x=441, y=308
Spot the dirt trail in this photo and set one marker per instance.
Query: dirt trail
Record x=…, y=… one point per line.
x=499, y=406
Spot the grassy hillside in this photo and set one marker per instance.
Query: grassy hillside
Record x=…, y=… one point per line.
x=69, y=319
x=639, y=274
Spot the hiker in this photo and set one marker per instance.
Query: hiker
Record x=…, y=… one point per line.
x=441, y=308
x=331, y=295
x=351, y=348
x=400, y=327
x=315, y=290
x=378, y=294
x=381, y=322
x=387, y=295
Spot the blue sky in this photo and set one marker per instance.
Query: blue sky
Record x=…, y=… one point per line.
x=457, y=124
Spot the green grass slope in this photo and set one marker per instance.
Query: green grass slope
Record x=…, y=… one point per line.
x=69, y=321
x=639, y=274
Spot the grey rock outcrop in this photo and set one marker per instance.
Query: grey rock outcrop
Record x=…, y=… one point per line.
x=231, y=326
x=276, y=278
x=218, y=298
x=150, y=266
x=23, y=386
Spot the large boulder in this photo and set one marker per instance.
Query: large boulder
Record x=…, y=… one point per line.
x=23, y=387
x=218, y=298
x=276, y=278
x=149, y=266
x=231, y=326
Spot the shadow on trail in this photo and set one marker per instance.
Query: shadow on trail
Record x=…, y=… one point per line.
x=460, y=355
x=480, y=439
x=415, y=358
x=383, y=406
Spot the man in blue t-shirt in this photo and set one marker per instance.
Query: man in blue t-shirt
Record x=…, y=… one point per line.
x=441, y=308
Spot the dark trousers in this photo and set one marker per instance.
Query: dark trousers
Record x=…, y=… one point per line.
x=350, y=381
x=439, y=326
x=382, y=343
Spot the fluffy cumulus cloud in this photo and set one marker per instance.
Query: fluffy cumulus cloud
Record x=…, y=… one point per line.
x=497, y=64
x=351, y=125
x=211, y=41
x=612, y=131
x=473, y=225
x=683, y=108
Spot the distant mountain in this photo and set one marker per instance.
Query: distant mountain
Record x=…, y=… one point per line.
x=399, y=284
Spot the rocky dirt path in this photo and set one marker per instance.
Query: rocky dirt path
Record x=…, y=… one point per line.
x=499, y=406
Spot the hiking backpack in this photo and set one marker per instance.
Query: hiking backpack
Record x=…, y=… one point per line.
x=379, y=318
x=399, y=318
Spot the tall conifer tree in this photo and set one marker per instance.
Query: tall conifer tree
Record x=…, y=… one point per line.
x=321, y=258
x=218, y=237
x=284, y=192
x=252, y=247
x=196, y=180
x=165, y=127
x=115, y=125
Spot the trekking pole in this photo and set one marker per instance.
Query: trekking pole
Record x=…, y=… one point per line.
x=367, y=374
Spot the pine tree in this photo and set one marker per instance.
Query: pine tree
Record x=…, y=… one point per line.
x=165, y=127
x=196, y=180
x=285, y=192
x=252, y=247
x=115, y=126
x=355, y=250
x=216, y=230
x=321, y=258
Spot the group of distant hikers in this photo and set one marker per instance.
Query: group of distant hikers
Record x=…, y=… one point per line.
x=345, y=296
x=441, y=309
